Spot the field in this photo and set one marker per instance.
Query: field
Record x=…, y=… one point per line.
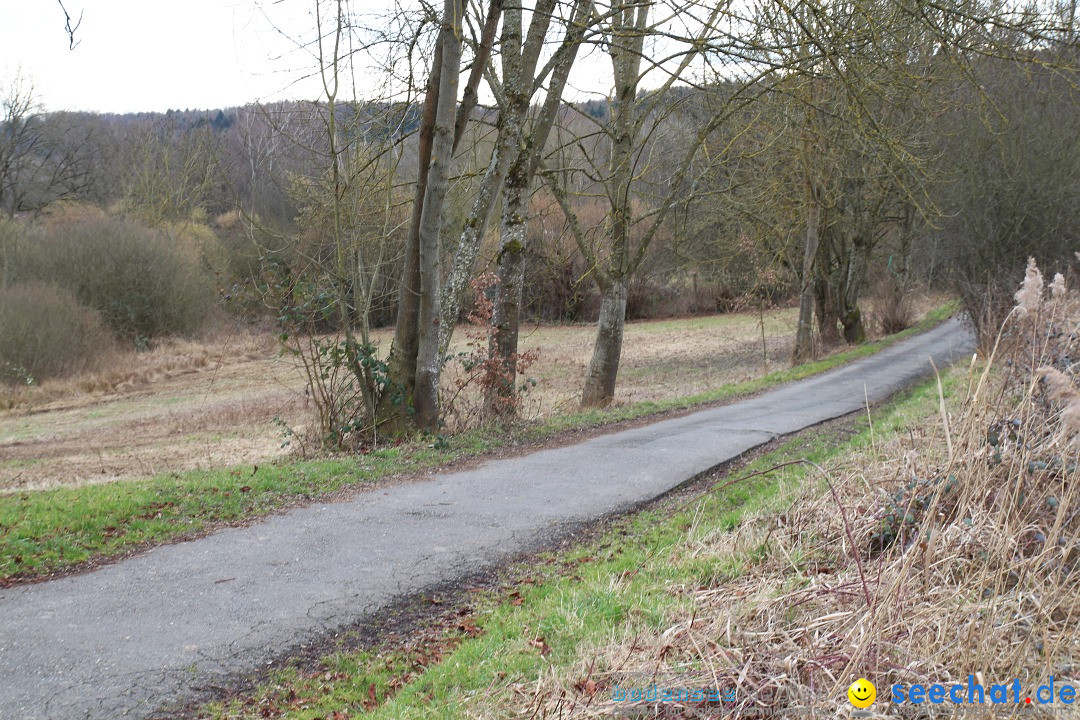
x=226, y=400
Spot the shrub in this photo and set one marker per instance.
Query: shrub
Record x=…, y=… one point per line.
x=45, y=333
x=479, y=385
x=142, y=284
x=893, y=308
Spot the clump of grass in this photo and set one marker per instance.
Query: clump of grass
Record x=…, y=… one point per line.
x=947, y=553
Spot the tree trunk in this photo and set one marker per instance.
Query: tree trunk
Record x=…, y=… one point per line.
x=826, y=308
x=426, y=394
x=471, y=238
x=506, y=319
x=804, y=333
x=508, y=137
x=625, y=51
x=854, y=330
x=854, y=278
x=402, y=361
x=404, y=353
x=599, y=388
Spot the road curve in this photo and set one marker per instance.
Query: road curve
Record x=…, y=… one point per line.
x=128, y=638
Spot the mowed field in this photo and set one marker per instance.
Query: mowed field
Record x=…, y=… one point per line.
x=225, y=400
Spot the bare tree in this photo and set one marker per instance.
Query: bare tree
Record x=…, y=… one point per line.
x=415, y=363
x=171, y=168
x=517, y=149
x=43, y=158
x=853, y=115
x=428, y=362
x=613, y=265
x=518, y=85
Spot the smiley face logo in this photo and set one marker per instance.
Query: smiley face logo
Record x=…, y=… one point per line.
x=862, y=693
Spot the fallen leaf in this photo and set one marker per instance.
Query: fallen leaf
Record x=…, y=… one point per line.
x=586, y=686
x=372, y=701
x=541, y=645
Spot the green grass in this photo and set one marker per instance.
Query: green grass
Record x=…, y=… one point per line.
x=625, y=583
x=46, y=531
x=42, y=532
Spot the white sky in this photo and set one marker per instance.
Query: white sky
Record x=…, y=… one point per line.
x=153, y=55
x=137, y=55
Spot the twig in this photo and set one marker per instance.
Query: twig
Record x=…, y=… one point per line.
x=847, y=531
x=69, y=27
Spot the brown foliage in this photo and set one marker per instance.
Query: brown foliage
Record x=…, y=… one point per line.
x=45, y=333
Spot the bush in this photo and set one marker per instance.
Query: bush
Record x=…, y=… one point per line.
x=142, y=284
x=45, y=333
x=893, y=308
x=1012, y=165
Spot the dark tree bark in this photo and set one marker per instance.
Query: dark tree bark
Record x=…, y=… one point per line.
x=510, y=270
x=402, y=362
x=405, y=353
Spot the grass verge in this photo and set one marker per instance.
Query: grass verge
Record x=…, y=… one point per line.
x=632, y=582
x=53, y=531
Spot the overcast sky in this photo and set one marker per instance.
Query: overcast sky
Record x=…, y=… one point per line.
x=153, y=55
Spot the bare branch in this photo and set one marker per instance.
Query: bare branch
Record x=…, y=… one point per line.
x=68, y=27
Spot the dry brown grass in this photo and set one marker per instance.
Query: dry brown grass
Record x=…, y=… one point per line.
x=661, y=359
x=982, y=578
x=185, y=404
x=131, y=371
x=213, y=401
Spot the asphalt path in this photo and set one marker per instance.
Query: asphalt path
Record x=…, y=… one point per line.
x=129, y=638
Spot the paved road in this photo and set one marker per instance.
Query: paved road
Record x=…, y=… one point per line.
x=127, y=638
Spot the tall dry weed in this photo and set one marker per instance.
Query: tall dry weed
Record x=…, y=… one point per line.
x=948, y=551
